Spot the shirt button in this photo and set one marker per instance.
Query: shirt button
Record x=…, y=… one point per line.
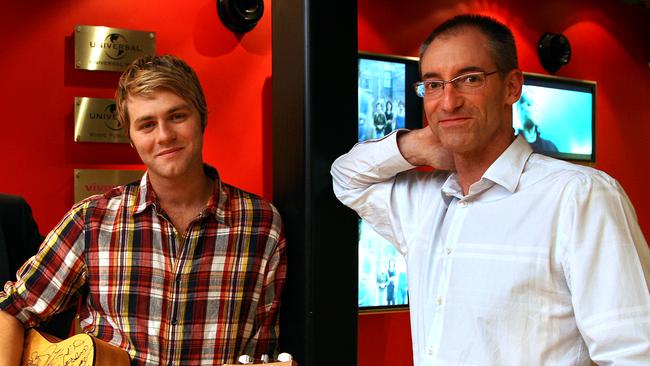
x=462, y=204
x=174, y=321
x=448, y=250
x=439, y=300
x=430, y=351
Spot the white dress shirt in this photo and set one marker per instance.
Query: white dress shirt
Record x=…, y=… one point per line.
x=542, y=263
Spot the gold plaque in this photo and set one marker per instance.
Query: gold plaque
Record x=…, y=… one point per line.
x=95, y=120
x=110, y=49
x=88, y=182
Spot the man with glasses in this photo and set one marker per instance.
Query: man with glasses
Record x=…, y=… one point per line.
x=513, y=258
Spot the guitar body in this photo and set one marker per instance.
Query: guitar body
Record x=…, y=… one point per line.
x=80, y=350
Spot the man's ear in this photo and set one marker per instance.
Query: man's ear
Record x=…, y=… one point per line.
x=513, y=84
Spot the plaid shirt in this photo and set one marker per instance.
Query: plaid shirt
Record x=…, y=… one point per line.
x=199, y=299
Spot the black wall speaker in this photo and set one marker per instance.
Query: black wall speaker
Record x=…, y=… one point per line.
x=240, y=16
x=554, y=51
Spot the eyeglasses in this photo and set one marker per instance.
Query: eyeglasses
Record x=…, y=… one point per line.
x=466, y=83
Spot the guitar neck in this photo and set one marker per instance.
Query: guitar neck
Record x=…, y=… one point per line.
x=278, y=363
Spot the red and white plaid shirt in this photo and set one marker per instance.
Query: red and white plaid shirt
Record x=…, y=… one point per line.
x=202, y=298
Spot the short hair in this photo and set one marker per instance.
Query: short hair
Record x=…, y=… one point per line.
x=150, y=73
x=501, y=42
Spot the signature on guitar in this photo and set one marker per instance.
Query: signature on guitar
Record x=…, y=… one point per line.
x=73, y=353
x=41, y=349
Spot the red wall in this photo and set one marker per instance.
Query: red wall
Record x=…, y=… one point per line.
x=39, y=83
x=611, y=45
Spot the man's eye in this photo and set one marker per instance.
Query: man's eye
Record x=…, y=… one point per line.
x=146, y=125
x=433, y=85
x=178, y=116
x=470, y=79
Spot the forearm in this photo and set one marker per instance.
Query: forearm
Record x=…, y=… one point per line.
x=12, y=334
x=423, y=148
x=367, y=164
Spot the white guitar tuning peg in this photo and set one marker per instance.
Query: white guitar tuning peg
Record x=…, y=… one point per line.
x=284, y=357
x=245, y=360
x=264, y=358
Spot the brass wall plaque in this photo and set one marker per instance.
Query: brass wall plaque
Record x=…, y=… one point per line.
x=88, y=182
x=95, y=120
x=110, y=49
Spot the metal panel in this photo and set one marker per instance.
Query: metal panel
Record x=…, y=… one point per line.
x=88, y=182
x=95, y=120
x=110, y=49
x=310, y=39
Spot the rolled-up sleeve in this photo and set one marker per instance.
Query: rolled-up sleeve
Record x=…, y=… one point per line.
x=48, y=282
x=367, y=179
x=369, y=163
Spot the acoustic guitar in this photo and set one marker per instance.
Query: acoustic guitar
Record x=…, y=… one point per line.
x=42, y=349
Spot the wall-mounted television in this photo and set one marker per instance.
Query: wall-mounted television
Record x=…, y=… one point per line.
x=557, y=116
x=386, y=102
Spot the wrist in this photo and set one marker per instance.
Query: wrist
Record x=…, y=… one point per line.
x=410, y=146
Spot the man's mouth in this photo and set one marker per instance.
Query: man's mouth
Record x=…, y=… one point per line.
x=169, y=152
x=453, y=121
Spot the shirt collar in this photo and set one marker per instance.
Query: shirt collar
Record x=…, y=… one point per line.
x=505, y=171
x=146, y=197
x=217, y=205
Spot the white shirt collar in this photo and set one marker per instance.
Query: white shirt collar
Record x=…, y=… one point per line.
x=505, y=171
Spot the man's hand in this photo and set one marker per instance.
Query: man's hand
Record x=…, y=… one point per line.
x=12, y=334
x=422, y=147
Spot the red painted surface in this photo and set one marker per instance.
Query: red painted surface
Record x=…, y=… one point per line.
x=610, y=43
x=39, y=83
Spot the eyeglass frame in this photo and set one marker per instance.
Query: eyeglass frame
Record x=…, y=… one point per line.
x=452, y=81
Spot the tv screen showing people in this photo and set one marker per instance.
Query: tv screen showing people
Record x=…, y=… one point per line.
x=386, y=103
x=382, y=94
x=556, y=117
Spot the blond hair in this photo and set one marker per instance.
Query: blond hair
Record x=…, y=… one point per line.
x=150, y=73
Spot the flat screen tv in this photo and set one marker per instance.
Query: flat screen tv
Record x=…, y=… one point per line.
x=557, y=117
x=386, y=102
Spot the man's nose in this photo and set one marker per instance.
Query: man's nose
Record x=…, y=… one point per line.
x=165, y=132
x=451, y=99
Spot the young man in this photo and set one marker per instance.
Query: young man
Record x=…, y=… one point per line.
x=177, y=269
x=513, y=258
